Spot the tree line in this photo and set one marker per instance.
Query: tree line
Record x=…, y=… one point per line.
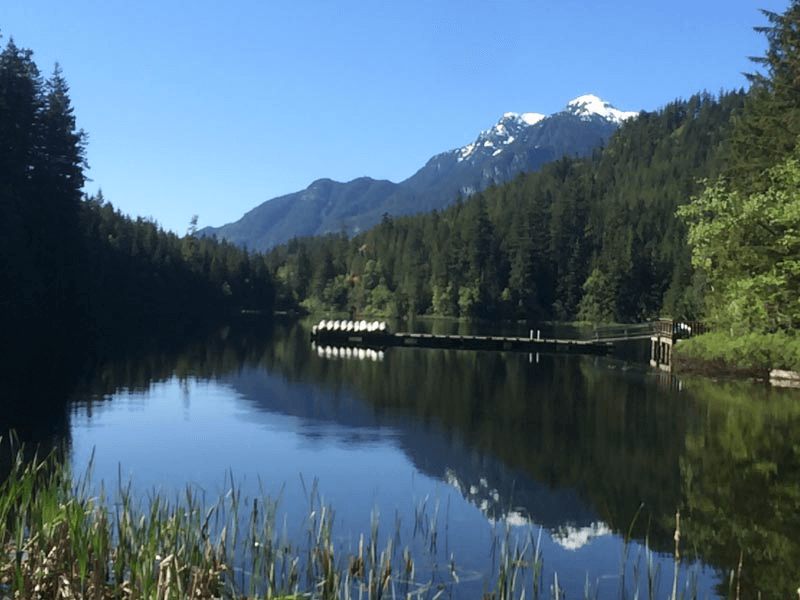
x=78, y=275
x=744, y=227
x=592, y=238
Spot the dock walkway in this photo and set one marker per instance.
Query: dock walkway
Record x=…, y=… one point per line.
x=511, y=344
x=375, y=336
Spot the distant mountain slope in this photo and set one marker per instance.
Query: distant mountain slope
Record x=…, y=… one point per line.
x=517, y=143
x=323, y=207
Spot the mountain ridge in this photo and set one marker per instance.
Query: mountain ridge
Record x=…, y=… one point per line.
x=518, y=142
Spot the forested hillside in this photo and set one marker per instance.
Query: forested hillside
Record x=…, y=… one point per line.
x=591, y=238
x=78, y=275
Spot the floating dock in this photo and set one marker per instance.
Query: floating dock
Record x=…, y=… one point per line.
x=377, y=335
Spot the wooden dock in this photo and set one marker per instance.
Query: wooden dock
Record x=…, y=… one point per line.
x=336, y=336
x=377, y=337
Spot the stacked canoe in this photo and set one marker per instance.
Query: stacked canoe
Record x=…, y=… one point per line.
x=345, y=332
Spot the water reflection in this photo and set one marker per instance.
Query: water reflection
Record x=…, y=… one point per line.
x=556, y=437
x=741, y=482
x=590, y=449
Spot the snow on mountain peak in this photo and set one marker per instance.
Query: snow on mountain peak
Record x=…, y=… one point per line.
x=513, y=125
x=528, y=118
x=531, y=118
x=588, y=105
x=507, y=129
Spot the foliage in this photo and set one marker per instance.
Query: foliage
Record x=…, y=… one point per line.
x=597, y=305
x=157, y=278
x=743, y=228
x=762, y=351
x=41, y=176
x=748, y=246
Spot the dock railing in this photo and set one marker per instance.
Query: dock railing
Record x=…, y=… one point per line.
x=671, y=328
x=667, y=333
x=678, y=329
x=619, y=333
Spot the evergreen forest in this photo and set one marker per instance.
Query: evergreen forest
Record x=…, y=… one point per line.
x=79, y=277
x=594, y=238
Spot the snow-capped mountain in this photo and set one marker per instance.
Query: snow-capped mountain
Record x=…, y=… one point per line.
x=590, y=106
x=516, y=143
x=512, y=126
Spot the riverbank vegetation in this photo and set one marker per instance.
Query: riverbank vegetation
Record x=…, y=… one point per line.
x=60, y=540
x=753, y=354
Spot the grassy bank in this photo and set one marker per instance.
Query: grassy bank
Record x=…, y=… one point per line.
x=62, y=539
x=752, y=354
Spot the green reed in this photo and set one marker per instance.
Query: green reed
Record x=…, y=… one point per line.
x=58, y=540
x=61, y=538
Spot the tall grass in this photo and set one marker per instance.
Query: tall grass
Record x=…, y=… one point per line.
x=60, y=541
x=62, y=538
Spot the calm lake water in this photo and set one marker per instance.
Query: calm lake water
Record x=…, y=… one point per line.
x=584, y=452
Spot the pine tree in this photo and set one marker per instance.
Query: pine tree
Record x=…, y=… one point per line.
x=769, y=126
x=22, y=292
x=41, y=176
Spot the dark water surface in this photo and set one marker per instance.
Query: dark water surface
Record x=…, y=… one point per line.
x=588, y=451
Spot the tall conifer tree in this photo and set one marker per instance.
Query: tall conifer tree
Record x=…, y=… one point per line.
x=767, y=130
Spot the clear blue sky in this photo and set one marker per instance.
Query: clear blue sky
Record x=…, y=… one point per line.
x=212, y=107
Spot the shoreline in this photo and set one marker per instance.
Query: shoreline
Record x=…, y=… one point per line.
x=716, y=368
x=773, y=357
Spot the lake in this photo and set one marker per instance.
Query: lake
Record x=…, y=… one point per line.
x=449, y=452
